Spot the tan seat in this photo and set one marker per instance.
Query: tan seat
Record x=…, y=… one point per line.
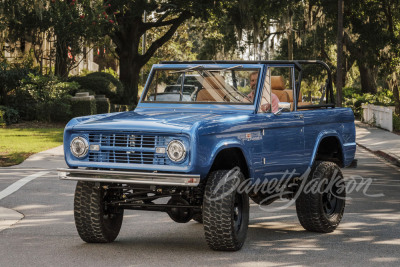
x=304, y=104
x=212, y=92
x=204, y=96
x=290, y=93
x=278, y=88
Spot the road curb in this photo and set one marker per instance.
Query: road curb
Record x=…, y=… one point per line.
x=382, y=155
x=9, y=217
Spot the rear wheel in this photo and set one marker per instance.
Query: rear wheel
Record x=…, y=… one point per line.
x=94, y=221
x=320, y=205
x=225, y=212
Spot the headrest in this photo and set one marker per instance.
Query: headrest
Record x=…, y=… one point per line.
x=277, y=83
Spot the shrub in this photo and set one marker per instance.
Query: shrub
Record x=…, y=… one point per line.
x=101, y=83
x=2, y=119
x=8, y=115
x=25, y=104
x=348, y=92
x=355, y=101
x=396, y=122
x=56, y=110
x=83, y=106
x=38, y=97
x=84, y=72
x=110, y=78
x=60, y=109
x=11, y=76
x=46, y=88
x=43, y=98
x=119, y=108
x=102, y=105
x=112, y=72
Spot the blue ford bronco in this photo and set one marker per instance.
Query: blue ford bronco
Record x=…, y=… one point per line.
x=204, y=138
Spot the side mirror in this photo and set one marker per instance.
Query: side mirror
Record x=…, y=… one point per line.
x=283, y=107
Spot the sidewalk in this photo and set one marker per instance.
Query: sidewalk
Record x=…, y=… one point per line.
x=382, y=143
x=51, y=159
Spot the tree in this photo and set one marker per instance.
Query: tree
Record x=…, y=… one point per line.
x=365, y=38
x=391, y=57
x=373, y=38
x=70, y=24
x=126, y=28
x=75, y=25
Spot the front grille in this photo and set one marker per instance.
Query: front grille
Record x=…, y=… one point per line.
x=127, y=148
x=126, y=157
x=126, y=140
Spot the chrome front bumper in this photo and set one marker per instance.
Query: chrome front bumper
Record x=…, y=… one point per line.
x=127, y=177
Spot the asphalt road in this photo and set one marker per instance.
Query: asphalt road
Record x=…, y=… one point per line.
x=369, y=234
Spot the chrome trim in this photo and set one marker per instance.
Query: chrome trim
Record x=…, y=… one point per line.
x=128, y=177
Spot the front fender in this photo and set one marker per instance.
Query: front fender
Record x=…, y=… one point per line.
x=226, y=144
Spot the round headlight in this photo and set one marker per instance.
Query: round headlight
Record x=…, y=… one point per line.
x=79, y=147
x=176, y=150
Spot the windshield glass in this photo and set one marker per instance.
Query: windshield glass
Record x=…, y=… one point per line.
x=198, y=85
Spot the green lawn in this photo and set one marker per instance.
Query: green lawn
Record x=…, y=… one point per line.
x=16, y=144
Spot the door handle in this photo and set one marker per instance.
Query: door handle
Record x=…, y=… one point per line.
x=299, y=116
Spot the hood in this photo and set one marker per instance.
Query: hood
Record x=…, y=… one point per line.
x=154, y=121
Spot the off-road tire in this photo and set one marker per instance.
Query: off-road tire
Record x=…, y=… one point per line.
x=198, y=217
x=94, y=223
x=223, y=229
x=315, y=212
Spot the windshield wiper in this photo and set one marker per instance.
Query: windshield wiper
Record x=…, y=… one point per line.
x=230, y=68
x=189, y=69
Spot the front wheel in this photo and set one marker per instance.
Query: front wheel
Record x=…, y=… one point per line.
x=321, y=202
x=225, y=211
x=93, y=220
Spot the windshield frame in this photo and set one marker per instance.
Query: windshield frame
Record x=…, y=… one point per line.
x=182, y=67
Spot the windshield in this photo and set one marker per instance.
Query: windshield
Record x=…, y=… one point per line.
x=201, y=85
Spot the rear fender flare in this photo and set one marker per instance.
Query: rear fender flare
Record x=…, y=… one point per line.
x=320, y=137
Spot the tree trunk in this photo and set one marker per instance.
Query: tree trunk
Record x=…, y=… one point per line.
x=290, y=35
x=339, y=70
x=367, y=73
x=396, y=95
x=129, y=75
x=61, y=67
x=348, y=64
x=368, y=78
x=130, y=62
